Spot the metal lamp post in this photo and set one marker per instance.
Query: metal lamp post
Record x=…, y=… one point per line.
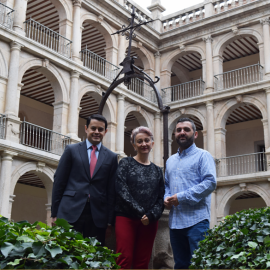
x=128, y=71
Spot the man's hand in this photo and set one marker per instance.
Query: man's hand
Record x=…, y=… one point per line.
x=53, y=221
x=108, y=231
x=167, y=204
x=173, y=200
x=145, y=220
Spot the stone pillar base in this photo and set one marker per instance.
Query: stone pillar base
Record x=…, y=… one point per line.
x=208, y=90
x=120, y=155
x=77, y=59
x=13, y=129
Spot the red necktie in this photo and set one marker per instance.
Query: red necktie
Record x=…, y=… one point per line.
x=93, y=160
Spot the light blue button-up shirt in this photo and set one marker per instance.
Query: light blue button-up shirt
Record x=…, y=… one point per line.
x=192, y=176
x=89, y=150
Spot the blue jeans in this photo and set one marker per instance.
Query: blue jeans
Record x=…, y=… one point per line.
x=185, y=241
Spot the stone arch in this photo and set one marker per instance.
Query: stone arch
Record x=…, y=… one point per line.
x=187, y=112
x=174, y=55
x=44, y=172
x=109, y=110
x=226, y=39
x=141, y=115
x=146, y=57
x=64, y=9
x=234, y=192
x=51, y=72
x=3, y=65
x=231, y=104
x=103, y=27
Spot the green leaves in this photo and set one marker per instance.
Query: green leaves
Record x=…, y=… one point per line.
x=240, y=241
x=24, y=246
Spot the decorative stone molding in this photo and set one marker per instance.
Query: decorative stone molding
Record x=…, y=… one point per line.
x=182, y=111
x=243, y=186
x=77, y=3
x=75, y=74
x=235, y=30
x=182, y=47
x=40, y=166
x=45, y=63
x=100, y=19
x=14, y=45
x=265, y=21
x=140, y=45
x=157, y=54
x=239, y=98
x=207, y=39
x=139, y=108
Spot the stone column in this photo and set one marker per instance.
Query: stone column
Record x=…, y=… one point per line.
x=156, y=9
x=165, y=78
x=210, y=127
x=66, y=28
x=109, y=139
x=213, y=219
x=266, y=41
x=268, y=112
x=120, y=129
x=220, y=139
x=209, y=64
x=170, y=146
x=76, y=31
x=11, y=201
x=3, y=88
x=20, y=8
x=11, y=107
x=204, y=70
x=157, y=68
x=48, y=215
x=112, y=55
x=157, y=136
x=122, y=49
x=73, y=114
x=5, y=179
x=204, y=132
x=265, y=132
x=60, y=117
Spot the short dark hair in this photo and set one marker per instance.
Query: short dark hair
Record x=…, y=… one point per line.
x=98, y=117
x=186, y=119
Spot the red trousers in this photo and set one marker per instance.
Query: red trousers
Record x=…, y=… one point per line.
x=135, y=242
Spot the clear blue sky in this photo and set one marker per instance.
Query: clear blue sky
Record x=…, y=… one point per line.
x=170, y=5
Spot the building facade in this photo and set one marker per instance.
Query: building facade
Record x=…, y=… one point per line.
x=58, y=56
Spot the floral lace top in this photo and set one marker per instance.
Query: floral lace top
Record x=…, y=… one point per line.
x=139, y=190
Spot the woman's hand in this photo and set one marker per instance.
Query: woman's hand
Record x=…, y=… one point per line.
x=145, y=220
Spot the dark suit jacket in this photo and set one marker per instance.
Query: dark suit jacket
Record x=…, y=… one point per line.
x=72, y=184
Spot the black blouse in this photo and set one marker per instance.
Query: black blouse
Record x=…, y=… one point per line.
x=139, y=190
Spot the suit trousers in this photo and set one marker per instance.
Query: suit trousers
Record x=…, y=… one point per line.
x=86, y=226
x=134, y=241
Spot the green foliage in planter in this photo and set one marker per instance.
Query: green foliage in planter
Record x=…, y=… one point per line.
x=22, y=245
x=241, y=241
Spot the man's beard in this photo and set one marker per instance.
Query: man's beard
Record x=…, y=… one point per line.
x=187, y=143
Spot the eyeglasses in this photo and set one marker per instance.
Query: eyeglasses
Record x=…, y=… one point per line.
x=100, y=129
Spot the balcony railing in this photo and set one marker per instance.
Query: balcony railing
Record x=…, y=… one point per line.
x=224, y=5
x=6, y=16
x=143, y=89
x=3, y=121
x=99, y=64
x=42, y=138
x=183, y=91
x=238, y=77
x=47, y=37
x=242, y=164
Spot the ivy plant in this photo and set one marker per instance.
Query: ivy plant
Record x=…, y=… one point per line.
x=240, y=241
x=38, y=246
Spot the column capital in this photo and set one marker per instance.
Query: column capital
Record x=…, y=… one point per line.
x=267, y=90
x=14, y=45
x=77, y=3
x=8, y=155
x=157, y=115
x=265, y=21
x=209, y=103
x=157, y=54
x=75, y=74
x=264, y=121
x=207, y=39
x=220, y=130
x=121, y=97
x=204, y=132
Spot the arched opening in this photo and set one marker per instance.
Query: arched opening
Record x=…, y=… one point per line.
x=30, y=199
x=240, y=63
x=186, y=77
x=198, y=141
x=133, y=120
x=245, y=201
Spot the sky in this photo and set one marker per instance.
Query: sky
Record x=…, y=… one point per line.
x=170, y=5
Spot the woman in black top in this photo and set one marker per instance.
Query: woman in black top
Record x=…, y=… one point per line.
x=139, y=203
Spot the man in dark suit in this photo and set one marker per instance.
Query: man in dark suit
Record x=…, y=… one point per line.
x=84, y=183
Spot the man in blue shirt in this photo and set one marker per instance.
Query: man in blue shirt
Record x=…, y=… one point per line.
x=190, y=178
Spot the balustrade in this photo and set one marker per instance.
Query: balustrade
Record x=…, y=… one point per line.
x=224, y=5
x=43, y=139
x=6, y=16
x=183, y=91
x=99, y=64
x=242, y=164
x=237, y=77
x=47, y=37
